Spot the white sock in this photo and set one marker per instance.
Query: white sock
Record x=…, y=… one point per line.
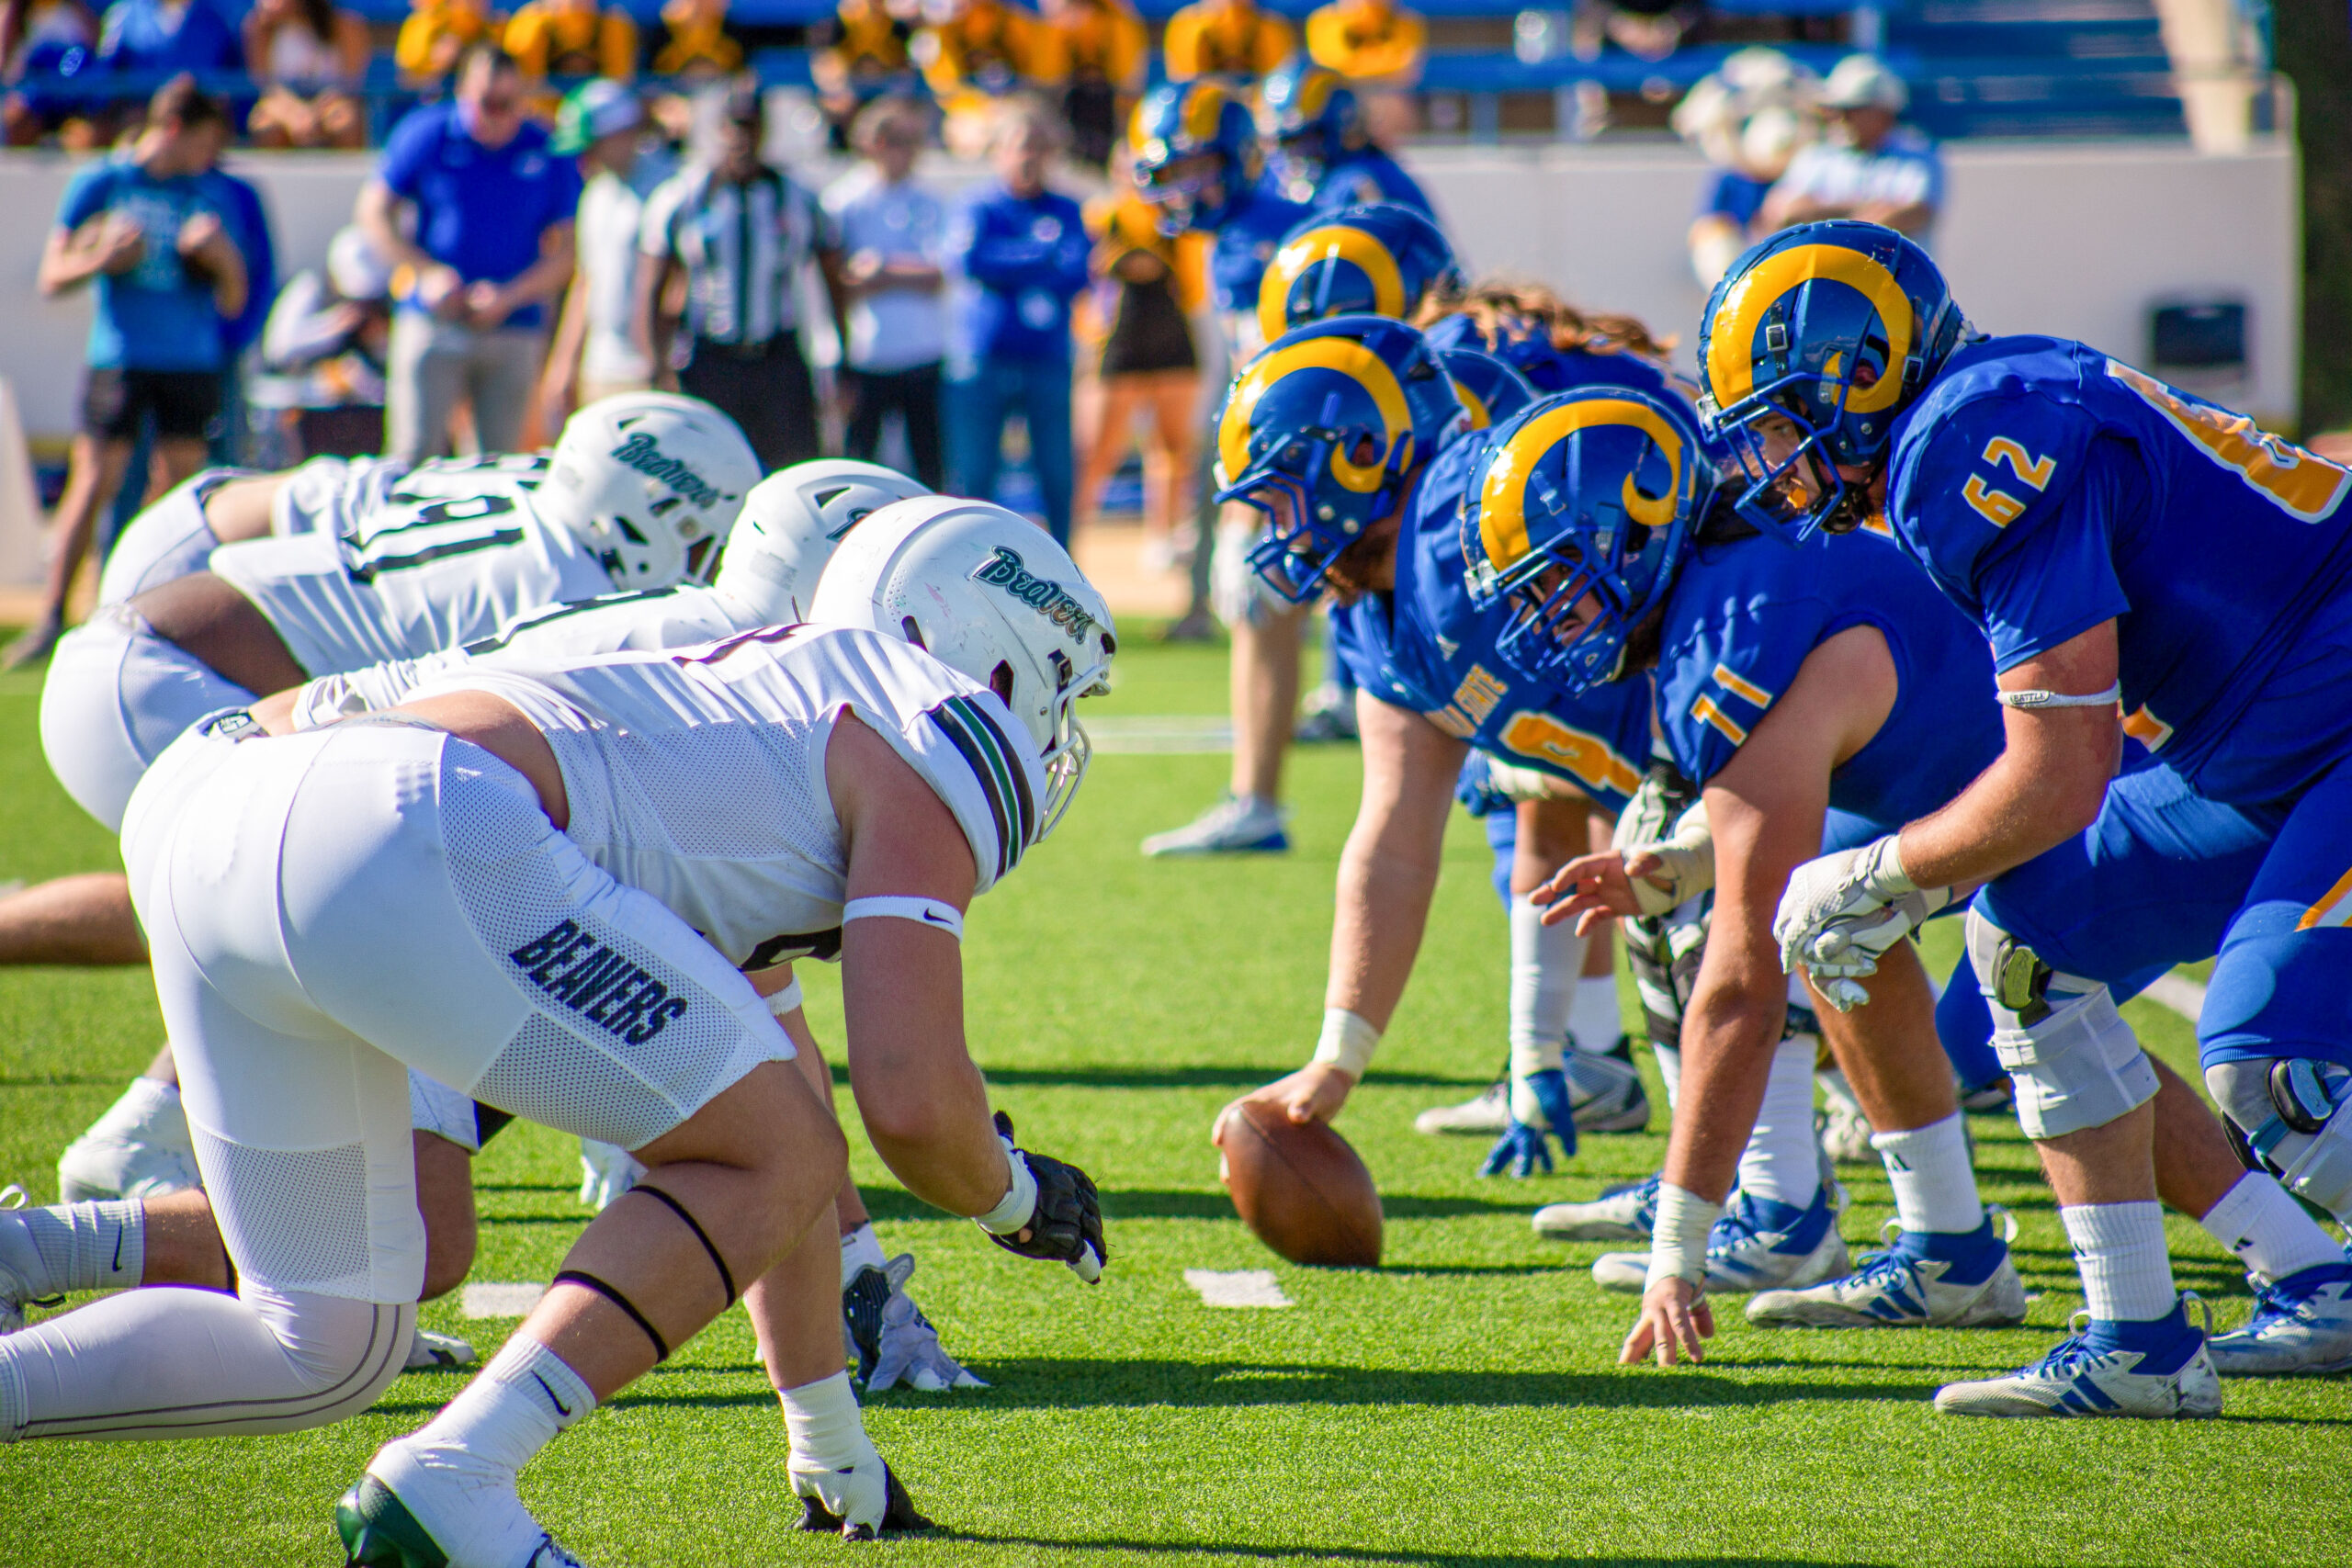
x=1594, y=1024
x=823, y=1421
x=1669, y=1067
x=1935, y=1187
x=148, y=1113
x=514, y=1408
x=2266, y=1230
x=457, y=1473
x=861, y=1249
x=99, y=1246
x=2120, y=1247
x=1544, y=965
x=1781, y=1162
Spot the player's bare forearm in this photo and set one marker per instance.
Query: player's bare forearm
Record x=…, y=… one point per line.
x=1388, y=871
x=922, y=1100
x=1729, y=1032
x=2047, y=782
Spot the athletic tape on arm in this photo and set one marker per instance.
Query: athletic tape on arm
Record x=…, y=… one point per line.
x=2034, y=698
x=929, y=912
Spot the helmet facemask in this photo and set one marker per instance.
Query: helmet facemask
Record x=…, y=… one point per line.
x=1786, y=439
x=1320, y=504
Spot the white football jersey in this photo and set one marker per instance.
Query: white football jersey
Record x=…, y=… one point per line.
x=618, y=623
x=698, y=775
x=337, y=495
x=415, y=575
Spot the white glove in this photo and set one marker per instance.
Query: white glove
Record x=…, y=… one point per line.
x=1686, y=865
x=606, y=1170
x=1841, y=911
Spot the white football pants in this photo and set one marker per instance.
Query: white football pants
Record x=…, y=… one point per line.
x=117, y=695
x=166, y=541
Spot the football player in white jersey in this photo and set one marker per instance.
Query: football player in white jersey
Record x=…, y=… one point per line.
x=326, y=907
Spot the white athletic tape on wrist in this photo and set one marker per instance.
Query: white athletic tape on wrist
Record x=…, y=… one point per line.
x=1017, y=1207
x=1678, y=1236
x=929, y=912
x=1348, y=1042
x=787, y=1000
x=2033, y=700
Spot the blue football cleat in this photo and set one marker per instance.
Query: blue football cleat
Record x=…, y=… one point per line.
x=1758, y=1244
x=2157, y=1370
x=2301, y=1327
x=1926, y=1281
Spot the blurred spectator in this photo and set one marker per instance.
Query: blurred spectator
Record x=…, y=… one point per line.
x=166, y=35
x=894, y=327
x=744, y=234
x=594, y=353
x=699, y=47
x=1871, y=167
x=1225, y=37
x=1369, y=42
x=145, y=226
x=324, y=350
x=861, y=51
x=42, y=37
x=572, y=38
x=1103, y=50
x=1021, y=249
x=1148, y=283
x=972, y=53
x=248, y=219
x=494, y=209
x=309, y=59
x=1748, y=118
x=435, y=34
x=1323, y=153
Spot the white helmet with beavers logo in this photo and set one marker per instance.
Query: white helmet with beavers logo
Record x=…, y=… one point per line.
x=990, y=595
x=651, y=482
x=792, y=522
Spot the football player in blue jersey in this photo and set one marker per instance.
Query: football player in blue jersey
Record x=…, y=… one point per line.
x=1323, y=153
x=1347, y=440
x=1547, y=340
x=2069, y=505
x=1820, y=694
x=1380, y=259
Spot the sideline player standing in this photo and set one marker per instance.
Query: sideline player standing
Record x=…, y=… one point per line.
x=2071, y=504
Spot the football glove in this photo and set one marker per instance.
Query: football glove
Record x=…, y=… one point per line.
x=1686, y=865
x=606, y=1170
x=893, y=1340
x=1841, y=911
x=1065, y=1224
x=1523, y=1147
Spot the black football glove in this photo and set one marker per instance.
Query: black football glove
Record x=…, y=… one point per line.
x=1066, y=1225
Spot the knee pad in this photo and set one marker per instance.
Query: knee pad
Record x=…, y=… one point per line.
x=2295, y=1116
x=343, y=1354
x=2075, y=1062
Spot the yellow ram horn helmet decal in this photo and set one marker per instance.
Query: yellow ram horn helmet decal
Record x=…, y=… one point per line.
x=1203, y=106
x=1731, y=348
x=1503, y=499
x=1332, y=243
x=1347, y=358
x=1472, y=405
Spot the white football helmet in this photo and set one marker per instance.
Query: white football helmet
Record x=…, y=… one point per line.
x=651, y=481
x=791, y=523
x=990, y=595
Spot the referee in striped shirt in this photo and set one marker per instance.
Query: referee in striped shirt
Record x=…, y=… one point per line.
x=742, y=233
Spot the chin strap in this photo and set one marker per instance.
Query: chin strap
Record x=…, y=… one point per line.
x=2033, y=701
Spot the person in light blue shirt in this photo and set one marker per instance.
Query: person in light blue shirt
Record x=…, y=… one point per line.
x=892, y=232
x=494, y=236
x=1873, y=167
x=1021, y=251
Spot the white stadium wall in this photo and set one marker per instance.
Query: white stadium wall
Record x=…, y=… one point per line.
x=2077, y=240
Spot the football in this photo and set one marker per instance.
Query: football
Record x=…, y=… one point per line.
x=1300, y=1187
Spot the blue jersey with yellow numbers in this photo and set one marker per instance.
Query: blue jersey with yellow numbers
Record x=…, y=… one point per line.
x=1743, y=618
x=1365, y=176
x=2048, y=488
x=1246, y=243
x=1422, y=645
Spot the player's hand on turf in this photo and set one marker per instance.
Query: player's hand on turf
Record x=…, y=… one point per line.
x=1675, y=1322
x=1520, y=1150
x=1590, y=890
x=1524, y=1146
x=1313, y=1093
x=1065, y=1226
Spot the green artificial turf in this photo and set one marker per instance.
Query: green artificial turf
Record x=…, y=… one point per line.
x=1459, y=1404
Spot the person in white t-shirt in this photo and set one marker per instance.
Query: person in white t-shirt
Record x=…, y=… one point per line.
x=887, y=285
x=1872, y=167
x=592, y=356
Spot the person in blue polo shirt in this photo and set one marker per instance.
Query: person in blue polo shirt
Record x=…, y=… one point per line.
x=1022, y=250
x=493, y=208
x=150, y=231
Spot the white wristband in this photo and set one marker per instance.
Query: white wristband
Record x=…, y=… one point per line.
x=922, y=911
x=1348, y=1042
x=1017, y=1207
x=787, y=1000
x=1679, y=1235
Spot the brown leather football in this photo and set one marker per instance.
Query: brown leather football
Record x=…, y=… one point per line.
x=1300, y=1187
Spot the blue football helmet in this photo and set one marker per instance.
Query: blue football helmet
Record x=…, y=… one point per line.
x=1180, y=122
x=1812, y=345
x=1379, y=259
x=1324, y=432
x=1581, y=511
x=1308, y=115
x=1490, y=391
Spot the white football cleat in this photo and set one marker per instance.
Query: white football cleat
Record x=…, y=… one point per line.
x=2099, y=1374
x=429, y=1505
x=139, y=1148
x=17, y=1292
x=2301, y=1327
x=428, y=1350
x=1490, y=1113
x=1757, y=1246
x=1605, y=1089
x=1236, y=825
x=1976, y=1286
x=1620, y=1213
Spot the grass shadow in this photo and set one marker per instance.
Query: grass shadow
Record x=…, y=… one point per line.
x=1368, y=1554
x=1162, y=1204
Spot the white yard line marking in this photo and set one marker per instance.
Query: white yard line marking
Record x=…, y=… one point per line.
x=1161, y=733
x=2178, y=994
x=501, y=1298
x=1242, y=1288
